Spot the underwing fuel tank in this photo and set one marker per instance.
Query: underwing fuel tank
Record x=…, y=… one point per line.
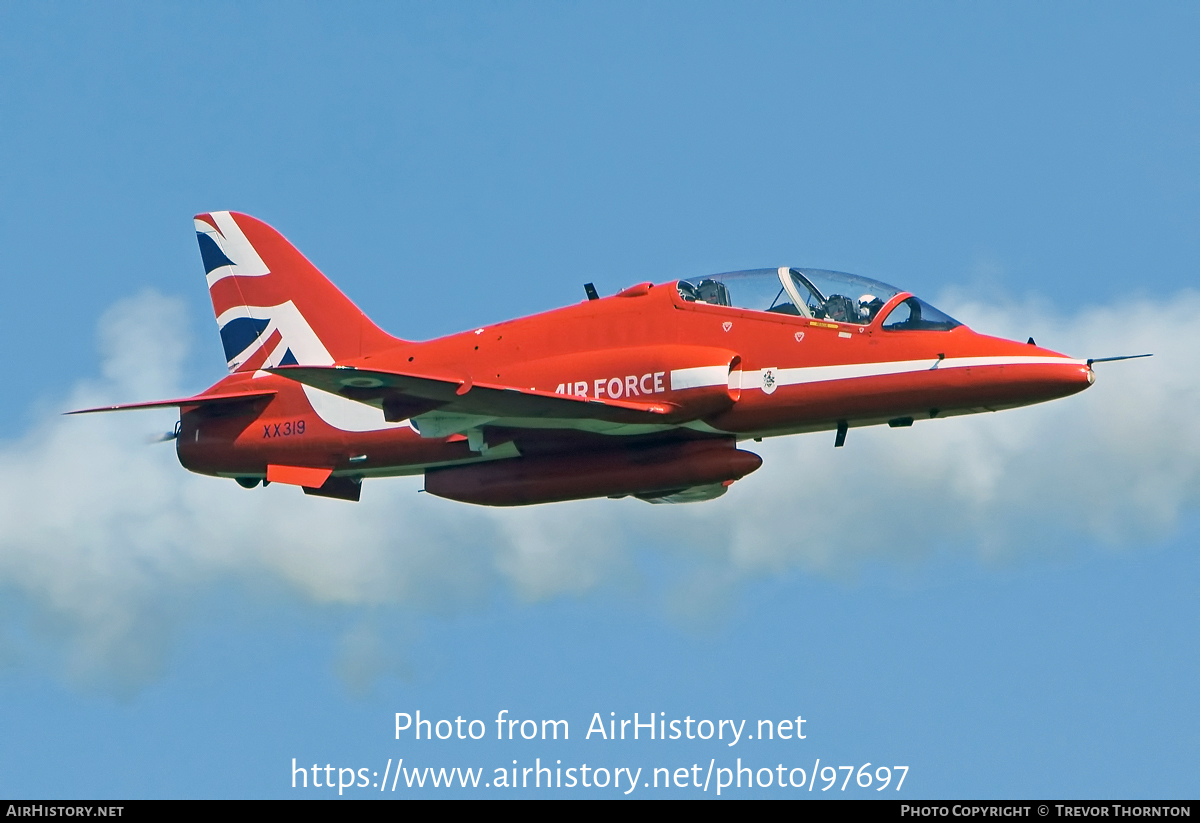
x=654, y=471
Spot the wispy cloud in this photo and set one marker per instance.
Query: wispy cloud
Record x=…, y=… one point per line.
x=109, y=540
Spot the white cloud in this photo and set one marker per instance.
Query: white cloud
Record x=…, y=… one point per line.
x=110, y=540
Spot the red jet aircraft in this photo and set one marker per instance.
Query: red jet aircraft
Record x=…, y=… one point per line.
x=644, y=393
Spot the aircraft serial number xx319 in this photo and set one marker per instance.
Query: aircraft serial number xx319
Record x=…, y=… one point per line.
x=644, y=393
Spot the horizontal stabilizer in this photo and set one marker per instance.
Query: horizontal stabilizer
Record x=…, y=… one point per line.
x=404, y=395
x=216, y=399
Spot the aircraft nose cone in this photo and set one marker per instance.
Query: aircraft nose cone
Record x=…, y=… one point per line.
x=1060, y=380
x=1038, y=378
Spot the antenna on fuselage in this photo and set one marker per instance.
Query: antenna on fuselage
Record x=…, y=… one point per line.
x=591, y=291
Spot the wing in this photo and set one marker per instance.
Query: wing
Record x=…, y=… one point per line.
x=407, y=395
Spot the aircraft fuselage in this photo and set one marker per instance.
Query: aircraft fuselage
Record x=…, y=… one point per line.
x=760, y=374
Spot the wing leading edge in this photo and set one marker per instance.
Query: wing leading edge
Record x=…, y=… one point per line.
x=405, y=395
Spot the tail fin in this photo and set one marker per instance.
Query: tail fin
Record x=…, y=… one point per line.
x=274, y=308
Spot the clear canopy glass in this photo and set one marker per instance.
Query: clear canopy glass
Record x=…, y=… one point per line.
x=818, y=294
x=914, y=314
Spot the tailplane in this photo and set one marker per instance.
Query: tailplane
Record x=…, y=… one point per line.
x=273, y=307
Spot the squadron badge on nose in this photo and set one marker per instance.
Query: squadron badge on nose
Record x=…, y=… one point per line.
x=769, y=380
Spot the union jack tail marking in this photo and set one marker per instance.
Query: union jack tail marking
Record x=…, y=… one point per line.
x=273, y=307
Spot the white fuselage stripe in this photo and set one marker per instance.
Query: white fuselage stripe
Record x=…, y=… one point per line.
x=699, y=377
x=849, y=371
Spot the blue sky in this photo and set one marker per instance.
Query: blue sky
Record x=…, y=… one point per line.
x=1006, y=604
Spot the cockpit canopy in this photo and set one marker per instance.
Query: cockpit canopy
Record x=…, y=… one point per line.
x=817, y=294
